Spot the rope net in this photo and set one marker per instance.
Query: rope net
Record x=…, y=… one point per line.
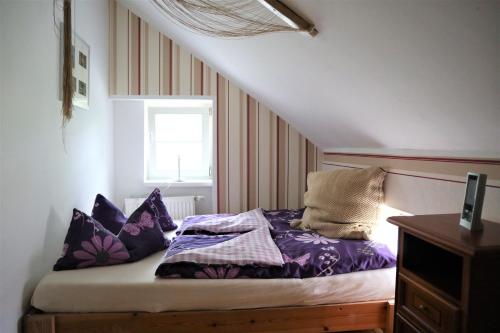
x=224, y=18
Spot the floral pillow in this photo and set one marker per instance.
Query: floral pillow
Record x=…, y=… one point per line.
x=110, y=216
x=142, y=234
x=88, y=243
x=166, y=222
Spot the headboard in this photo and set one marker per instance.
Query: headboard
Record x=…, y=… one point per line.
x=426, y=185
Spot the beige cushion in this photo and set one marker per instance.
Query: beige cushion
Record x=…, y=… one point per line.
x=343, y=203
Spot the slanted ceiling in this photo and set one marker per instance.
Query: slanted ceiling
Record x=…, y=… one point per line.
x=381, y=74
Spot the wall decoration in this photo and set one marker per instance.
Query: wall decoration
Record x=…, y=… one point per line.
x=81, y=66
x=262, y=161
x=67, y=70
x=234, y=18
x=75, y=62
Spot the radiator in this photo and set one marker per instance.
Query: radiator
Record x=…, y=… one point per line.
x=178, y=207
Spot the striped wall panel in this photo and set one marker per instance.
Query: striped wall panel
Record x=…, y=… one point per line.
x=262, y=160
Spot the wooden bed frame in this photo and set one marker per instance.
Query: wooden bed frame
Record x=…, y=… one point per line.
x=308, y=319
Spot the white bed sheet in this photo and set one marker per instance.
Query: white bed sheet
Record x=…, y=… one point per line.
x=134, y=287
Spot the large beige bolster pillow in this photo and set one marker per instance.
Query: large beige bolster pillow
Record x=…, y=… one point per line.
x=343, y=203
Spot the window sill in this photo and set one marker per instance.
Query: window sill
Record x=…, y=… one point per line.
x=187, y=183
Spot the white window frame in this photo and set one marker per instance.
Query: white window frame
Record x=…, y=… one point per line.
x=198, y=105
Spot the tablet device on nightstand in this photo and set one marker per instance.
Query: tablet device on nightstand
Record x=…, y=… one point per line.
x=473, y=202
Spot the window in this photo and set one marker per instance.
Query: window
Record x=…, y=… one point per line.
x=178, y=141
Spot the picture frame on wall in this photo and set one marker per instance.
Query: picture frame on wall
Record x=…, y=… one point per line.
x=80, y=59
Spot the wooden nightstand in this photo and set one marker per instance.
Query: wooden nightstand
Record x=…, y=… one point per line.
x=448, y=278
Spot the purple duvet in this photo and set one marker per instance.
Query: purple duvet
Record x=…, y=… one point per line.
x=306, y=254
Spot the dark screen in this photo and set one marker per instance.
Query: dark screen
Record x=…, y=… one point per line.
x=471, y=189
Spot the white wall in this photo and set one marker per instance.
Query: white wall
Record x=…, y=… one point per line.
x=42, y=179
x=129, y=158
x=2, y=283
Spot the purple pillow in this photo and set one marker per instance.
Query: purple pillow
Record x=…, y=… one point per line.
x=88, y=243
x=166, y=222
x=142, y=234
x=110, y=216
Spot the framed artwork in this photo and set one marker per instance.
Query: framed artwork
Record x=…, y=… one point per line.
x=80, y=59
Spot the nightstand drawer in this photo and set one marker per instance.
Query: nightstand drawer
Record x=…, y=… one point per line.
x=404, y=326
x=427, y=308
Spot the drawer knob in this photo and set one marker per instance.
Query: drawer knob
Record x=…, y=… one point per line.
x=422, y=307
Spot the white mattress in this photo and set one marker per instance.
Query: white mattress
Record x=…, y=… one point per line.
x=134, y=287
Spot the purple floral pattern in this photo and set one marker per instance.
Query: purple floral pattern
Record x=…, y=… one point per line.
x=306, y=254
x=88, y=244
x=302, y=260
x=100, y=252
x=220, y=272
x=145, y=221
x=164, y=218
x=314, y=239
x=110, y=216
x=113, y=219
x=142, y=234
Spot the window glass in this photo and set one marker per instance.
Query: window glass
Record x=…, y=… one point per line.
x=178, y=127
x=178, y=141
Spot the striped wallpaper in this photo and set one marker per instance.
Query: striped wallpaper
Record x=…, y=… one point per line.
x=262, y=160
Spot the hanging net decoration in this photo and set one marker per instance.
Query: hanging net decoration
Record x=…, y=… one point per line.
x=67, y=82
x=234, y=18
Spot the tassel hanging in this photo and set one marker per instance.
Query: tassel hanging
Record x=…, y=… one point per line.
x=67, y=82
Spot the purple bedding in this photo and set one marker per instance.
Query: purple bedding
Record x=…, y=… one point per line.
x=306, y=254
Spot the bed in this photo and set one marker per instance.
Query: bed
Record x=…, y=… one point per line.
x=129, y=298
